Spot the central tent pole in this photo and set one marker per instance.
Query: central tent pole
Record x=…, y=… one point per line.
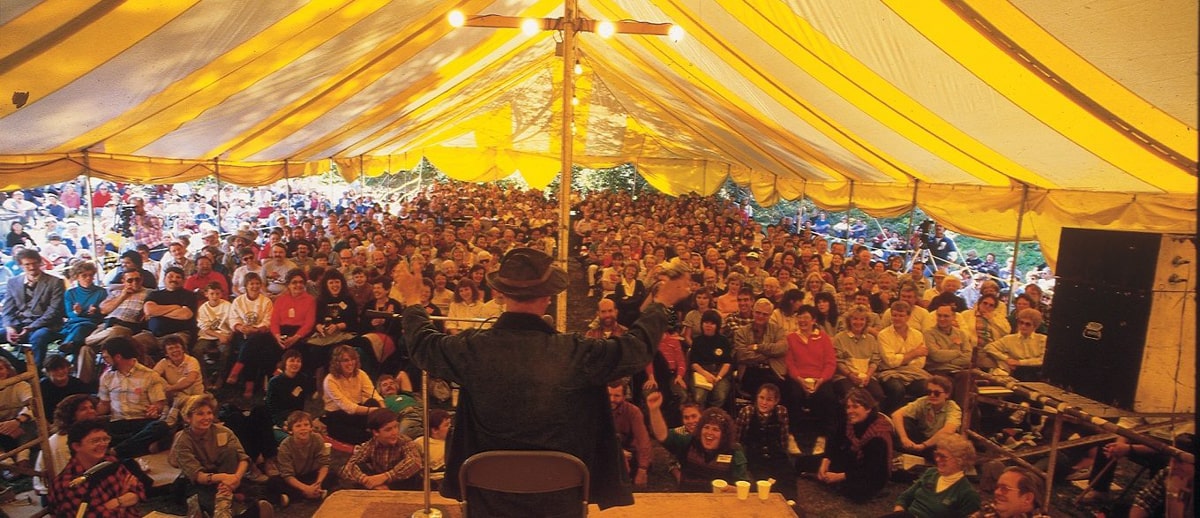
x=570, y=12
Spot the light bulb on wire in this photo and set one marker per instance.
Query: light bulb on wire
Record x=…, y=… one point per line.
x=529, y=26
x=605, y=29
x=675, y=33
x=456, y=18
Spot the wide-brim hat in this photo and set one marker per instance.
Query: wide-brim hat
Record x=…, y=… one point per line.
x=527, y=273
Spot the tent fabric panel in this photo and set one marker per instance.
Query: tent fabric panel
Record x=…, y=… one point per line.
x=16, y=8
x=798, y=58
x=430, y=112
x=216, y=106
x=1147, y=47
x=889, y=46
x=684, y=176
x=248, y=44
x=733, y=89
x=1009, y=77
x=1090, y=83
x=77, y=42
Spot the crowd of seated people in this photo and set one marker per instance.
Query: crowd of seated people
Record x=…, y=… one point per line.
x=825, y=339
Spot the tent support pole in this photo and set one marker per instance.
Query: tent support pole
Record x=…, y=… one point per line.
x=87, y=168
x=849, y=207
x=800, y=209
x=1012, y=271
x=570, y=16
x=217, y=174
x=912, y=211
x=287, y=178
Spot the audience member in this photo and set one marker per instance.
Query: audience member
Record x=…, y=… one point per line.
x=350, y=397
x=82, y=305
x=1020, y=354
x=903, y=350
x=858, y=354
x=181, y=371
x=631, y=430
x=711, y=362
x=711, y=453
x=761, y=350
x=388, y=460
x=32, y=308
x=303, y=463
x=1019, y=494
x=858, y=462
x=107, y=492
x=944, y=489
x=72, y=409
x=58, y=383
x=763, y=430
x=212, y=459
x=136, y=397
x=919, y=423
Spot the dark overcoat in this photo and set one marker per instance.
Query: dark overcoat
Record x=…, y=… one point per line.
x=527, y=387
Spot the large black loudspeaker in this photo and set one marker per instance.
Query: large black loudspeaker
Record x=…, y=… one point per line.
x=1101, y=310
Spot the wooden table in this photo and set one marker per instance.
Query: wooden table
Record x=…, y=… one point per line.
x=355, y=503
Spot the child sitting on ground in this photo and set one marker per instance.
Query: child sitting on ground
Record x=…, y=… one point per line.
x=182, y=373
x=303, y=463
x=388, y=460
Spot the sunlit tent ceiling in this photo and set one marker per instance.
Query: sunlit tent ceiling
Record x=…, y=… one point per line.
x=1074, y=113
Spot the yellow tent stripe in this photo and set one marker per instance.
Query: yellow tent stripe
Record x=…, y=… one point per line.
x=735, y=103
x=845, y=75
x=419, y=86
x=1084, y=78
x=613, y=75
x=257, y=57
x=820, y=121
x=45, y=65
x=439, y=119
x=336, y=89
x=389, y=109
x=27, y=35
x=944, y=28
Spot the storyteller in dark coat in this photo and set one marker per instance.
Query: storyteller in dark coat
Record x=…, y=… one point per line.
x=527, y=387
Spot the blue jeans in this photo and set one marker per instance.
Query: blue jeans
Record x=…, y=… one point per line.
x=133, y=437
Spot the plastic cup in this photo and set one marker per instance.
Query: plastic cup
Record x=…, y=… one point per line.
x=764, y=489
x=743, y=489
x=719, y=486
x=328, y=447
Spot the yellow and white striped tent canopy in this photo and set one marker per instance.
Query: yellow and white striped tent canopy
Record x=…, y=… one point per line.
x=1078, y=113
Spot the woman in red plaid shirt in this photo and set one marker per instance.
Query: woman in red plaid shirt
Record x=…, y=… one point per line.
x=110, y=492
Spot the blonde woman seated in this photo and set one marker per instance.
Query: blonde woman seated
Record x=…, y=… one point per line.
x=942, y=491
x=1021, y=353
x=349, y=397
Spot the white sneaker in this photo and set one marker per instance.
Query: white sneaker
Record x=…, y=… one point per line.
x=819, y=446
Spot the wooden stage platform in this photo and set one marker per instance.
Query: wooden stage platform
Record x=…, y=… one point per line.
x=362, y=503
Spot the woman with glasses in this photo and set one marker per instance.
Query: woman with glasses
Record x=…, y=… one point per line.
x=942, y=491
x=1020, y=354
